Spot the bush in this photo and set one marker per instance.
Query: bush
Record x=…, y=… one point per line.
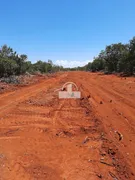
x=7, y=67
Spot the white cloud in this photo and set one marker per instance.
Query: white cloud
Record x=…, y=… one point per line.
x=71, y=64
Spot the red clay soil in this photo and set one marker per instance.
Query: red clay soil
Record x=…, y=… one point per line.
x=43, y=137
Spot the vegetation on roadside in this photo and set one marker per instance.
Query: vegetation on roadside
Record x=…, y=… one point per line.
x=116, y=58
x=13, y=64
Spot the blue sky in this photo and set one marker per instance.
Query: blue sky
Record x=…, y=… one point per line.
x=70, y=32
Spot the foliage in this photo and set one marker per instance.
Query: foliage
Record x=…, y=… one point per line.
x=115, y=58
x=118, y=58
x=13, y=64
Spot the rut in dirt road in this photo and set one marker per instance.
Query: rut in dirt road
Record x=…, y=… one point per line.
x=50, y=138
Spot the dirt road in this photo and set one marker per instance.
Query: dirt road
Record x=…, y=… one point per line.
x=43, y=137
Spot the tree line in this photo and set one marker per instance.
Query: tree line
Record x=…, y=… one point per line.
x=116, y=58
x=13, y=64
